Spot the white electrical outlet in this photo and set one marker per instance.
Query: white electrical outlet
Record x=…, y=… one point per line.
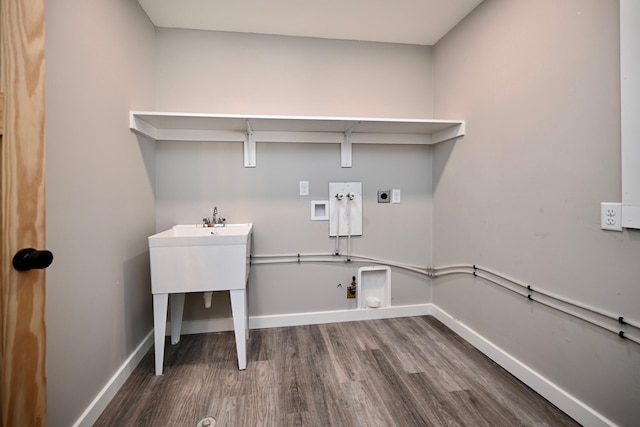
x=611, y=216
x=395, y=196
x=304, y=188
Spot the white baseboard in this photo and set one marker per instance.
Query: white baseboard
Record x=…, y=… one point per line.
x=298, y=319
x=336, y=316
x=203, y=326
x=582, y=413
x=573, y=407
x=95, y=408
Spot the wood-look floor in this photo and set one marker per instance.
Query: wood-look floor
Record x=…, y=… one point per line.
x=410, y=371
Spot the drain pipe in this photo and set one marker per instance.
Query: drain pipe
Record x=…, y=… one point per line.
x=207, y=299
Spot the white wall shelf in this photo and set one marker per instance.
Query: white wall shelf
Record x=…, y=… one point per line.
x=249, y=129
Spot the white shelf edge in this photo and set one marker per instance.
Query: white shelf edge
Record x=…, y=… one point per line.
x=290, y=117
x=138, y=125
x=448, y=134
x=386, y=130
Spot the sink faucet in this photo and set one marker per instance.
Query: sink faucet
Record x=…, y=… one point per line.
x=214, y=221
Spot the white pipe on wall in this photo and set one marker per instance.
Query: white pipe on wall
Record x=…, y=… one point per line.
x=294, y=258
x=565, y=300
x=474, y=269
x=526, y=291
x=337, y=250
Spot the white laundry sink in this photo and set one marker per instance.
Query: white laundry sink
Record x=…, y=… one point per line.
x=193, y=258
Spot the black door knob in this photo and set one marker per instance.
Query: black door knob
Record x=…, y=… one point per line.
x=29, y=258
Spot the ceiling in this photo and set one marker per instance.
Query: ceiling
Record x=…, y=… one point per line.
x=421, y=22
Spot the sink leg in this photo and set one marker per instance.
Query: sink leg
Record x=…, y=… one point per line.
x=177, y=308
x=159, y=328
x=246, y=310
x=240, y=324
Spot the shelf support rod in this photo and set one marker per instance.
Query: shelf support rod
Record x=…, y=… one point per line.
x=346, y=148
x=249, y=148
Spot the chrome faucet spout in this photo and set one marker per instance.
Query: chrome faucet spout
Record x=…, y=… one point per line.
x=215, y=221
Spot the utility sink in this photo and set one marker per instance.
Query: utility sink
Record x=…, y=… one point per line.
x=193, y=258
x=191, y=234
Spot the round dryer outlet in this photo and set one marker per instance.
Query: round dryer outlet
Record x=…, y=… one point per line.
x=384, y=196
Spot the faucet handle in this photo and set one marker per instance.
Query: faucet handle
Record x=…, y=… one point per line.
x=206, y=221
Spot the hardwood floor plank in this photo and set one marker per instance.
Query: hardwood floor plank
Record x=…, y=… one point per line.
x=501, y=385
x=259, y=409
x=364, y=334
x=263, y=376
x=314, y=390
x=393, y=372
x=365, y=405
x=345, y=364
x=400, y=341
x=441, y=368
x=472, y=413
x=290, y=395
x=443, y=365
x=434, y=398
x=459, y=351
x=286, y=344
x=323, y=392
x=392, y=390
x=228, y=412
x=291, y=420
x=310, y=342
x=134, y=401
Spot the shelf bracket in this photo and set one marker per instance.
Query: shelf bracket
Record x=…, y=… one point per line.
x=345, y=151
x=346, y=148
x=249, y=148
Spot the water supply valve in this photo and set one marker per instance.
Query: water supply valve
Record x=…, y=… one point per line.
x=351, y=289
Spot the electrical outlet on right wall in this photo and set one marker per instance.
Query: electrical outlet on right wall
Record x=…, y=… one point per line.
x=395, y=196
x=611, y=216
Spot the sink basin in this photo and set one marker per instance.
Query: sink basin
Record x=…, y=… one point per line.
x=193, y=258
x=187, y=235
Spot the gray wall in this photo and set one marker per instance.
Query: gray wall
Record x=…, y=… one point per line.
x=100, y=201
x=244, y=73
x=538, y=84
x=218, y=72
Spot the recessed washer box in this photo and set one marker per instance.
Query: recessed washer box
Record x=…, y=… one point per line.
x=319, y=210
x=374, y=282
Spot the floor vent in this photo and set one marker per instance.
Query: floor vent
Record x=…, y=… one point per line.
x=206, y=422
